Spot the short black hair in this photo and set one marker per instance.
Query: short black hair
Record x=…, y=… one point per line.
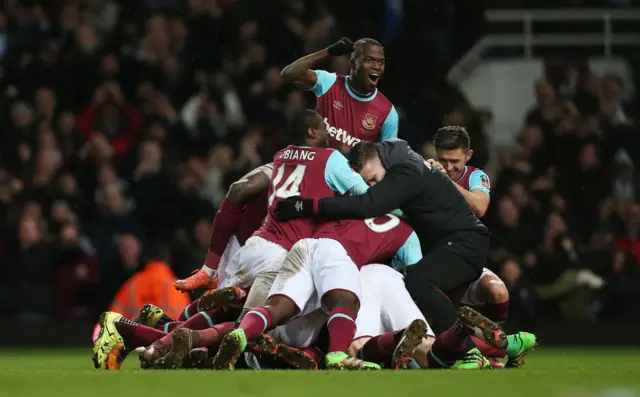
x=452, y=137
x=300, y=123
x=361, y=153
x=357, y=46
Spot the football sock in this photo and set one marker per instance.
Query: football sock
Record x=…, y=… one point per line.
x=202, y=320
x=486, y=349
x=225, y=224
x=210, y=272
x=447, y=348
x=514, y=344
x=211, y=336
x=380, y=348
x=189, y=311
x=168, y=327
x=137, y=335
x=342, y=329
x=496, y=312
x=255, y=322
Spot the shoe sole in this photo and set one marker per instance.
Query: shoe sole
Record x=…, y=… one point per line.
x=199, y=358
x=264, y=345
x=491, y=332
x=216, y=299
x=229, y=349
x=117, y=353
x=180, y=347
x=411, y=339
x=296, y=358
x=146, y=316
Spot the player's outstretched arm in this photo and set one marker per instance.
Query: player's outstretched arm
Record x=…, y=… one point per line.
x=299, y=73
x=394, y=191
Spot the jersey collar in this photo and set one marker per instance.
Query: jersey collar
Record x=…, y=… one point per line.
x=358, y=97
x=463, y=174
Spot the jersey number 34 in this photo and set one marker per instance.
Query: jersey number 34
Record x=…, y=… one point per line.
x=291, y=185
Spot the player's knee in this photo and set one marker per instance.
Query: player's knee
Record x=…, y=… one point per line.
x=356, y=345
x=420, y=353
x=341, y=298
x=493, y=290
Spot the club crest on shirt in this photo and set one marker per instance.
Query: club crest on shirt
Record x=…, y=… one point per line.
x=369, y=121
x=337, y=105
x=485, y=181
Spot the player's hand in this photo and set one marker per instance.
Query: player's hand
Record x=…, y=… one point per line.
x=341, y=47
x=293, y=208
x=436, y=164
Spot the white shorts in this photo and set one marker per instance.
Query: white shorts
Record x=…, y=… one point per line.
x=256, y=256
x=232, y=248
x=315, y=266
x=386, y=306
x=470, y=297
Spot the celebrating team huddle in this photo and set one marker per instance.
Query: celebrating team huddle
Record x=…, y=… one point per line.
x=293, y=286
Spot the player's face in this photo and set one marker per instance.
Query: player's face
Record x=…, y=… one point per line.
x=373, y=171
x=453, y=161
x=320, y=132
x=370, y=66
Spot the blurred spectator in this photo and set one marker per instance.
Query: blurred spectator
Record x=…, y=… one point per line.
x=153, y=283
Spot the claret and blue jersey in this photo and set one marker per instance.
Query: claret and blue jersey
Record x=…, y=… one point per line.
x=350, y=118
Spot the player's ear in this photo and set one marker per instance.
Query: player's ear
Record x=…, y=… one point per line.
x=352, y=59
x=469, y=154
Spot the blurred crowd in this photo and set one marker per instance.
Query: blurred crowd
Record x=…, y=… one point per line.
x=123, y=124
x=565, y=213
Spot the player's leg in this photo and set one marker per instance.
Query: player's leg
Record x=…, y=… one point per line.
x=118, y=336
x=369, y=321
x=290, y=292
x=488, y=295
x=439, y=270
x=258, y=257
x=450, y=346
x=207, y=277
x=337, y=282
x=296, y=337
x=184, y=340
x=397, y=311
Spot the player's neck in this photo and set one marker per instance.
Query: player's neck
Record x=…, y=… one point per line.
x=357, y=90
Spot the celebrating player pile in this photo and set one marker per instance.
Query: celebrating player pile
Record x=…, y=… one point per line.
x=300, y=291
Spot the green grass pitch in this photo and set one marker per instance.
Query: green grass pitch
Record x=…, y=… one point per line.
x=547, y=373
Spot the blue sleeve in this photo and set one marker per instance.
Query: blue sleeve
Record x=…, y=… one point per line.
x=325, y=80
x=341, y=178
x=409, y=254
x=478, y=180
x=389, y=129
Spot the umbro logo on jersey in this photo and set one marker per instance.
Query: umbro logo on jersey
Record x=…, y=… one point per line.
x=337, y=105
